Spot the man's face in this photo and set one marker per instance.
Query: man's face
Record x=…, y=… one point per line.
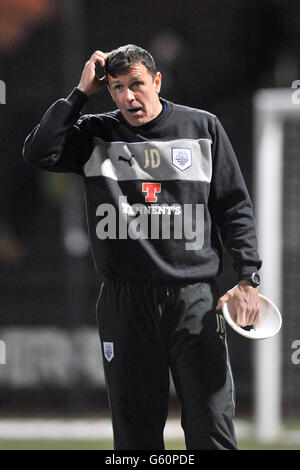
x=136, y=94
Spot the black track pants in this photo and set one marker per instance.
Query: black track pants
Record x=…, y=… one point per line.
x=147, y=330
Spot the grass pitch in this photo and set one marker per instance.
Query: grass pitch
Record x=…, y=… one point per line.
x=107, y=445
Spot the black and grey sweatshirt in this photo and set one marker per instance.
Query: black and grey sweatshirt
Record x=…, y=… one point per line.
x=161, y=198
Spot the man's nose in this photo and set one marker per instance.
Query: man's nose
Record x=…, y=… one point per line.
x=129, y=95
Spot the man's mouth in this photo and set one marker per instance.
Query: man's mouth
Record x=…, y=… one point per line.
x=134, y=111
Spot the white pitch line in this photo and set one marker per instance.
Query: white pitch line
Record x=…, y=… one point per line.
x=84, y=429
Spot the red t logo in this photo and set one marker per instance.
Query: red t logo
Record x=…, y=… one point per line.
x=151, y=189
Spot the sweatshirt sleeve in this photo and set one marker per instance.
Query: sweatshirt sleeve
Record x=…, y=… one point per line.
x=231, y=207
x=61, y=142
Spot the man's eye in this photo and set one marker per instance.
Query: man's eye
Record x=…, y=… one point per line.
x=137, y=83
x=118, y=87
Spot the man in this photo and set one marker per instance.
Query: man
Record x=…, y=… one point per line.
x=163, y=189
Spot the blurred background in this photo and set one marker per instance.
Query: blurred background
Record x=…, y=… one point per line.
x=213, y=55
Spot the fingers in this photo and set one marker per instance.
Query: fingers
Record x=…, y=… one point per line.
x=89, y=82
x=256, y=317
x=244, y=309
x=100, y=57
x=247, y=316
x=225, y=298
x=240, y=319
x=97, y=56
x=222, y=301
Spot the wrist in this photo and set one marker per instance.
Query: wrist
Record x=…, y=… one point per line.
x=252, y=279
x=83, y=90
x=77, y=99
x=246, y=283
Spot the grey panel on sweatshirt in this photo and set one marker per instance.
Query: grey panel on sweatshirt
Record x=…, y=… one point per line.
x=180, y=159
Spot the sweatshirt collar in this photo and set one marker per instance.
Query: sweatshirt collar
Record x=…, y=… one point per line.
x=166, y=109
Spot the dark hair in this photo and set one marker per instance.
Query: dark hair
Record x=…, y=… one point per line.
x=120, y=60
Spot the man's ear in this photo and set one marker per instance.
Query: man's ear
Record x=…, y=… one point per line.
x=157, y=81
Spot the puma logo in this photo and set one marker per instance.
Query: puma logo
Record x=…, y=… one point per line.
x=128, y=160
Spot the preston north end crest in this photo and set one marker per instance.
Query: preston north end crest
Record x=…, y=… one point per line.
x=108, y=349
x=182, y=158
